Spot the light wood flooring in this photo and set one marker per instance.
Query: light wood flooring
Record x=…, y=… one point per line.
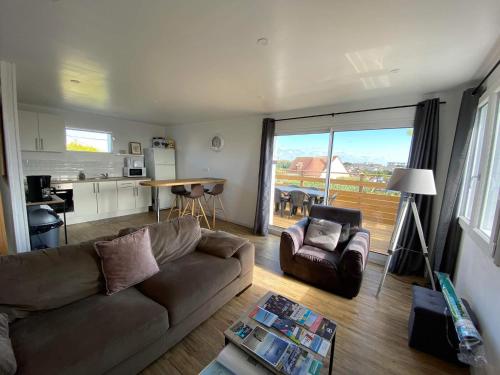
x=372, y=333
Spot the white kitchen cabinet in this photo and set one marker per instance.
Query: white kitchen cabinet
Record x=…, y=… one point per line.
x=52, y=132
x=41, y=132
x=84, y=198
x=28, y=130
x=126, y=195
x=107, y=197
x=143, y=195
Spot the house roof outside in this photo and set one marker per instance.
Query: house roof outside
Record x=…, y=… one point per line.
x=312, y=166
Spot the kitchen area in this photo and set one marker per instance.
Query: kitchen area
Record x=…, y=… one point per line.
x=66, y=186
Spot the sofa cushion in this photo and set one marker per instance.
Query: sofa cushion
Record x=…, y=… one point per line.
x=172, y=239
x=48, y=279
x=126, y=260
x=310, y=254
x=90, y=336
x=220, y=243
x=187, y=283
x=324, y=234
x=8, y=363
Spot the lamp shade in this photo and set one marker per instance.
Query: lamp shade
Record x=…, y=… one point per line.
x=410, y=180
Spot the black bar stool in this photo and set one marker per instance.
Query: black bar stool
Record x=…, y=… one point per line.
x=193, y=197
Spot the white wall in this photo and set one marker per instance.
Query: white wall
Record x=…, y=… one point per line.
x=67, y=164
x=238, y=161
x=477, y=279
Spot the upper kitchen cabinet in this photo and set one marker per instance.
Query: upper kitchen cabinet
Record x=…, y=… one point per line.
x=41, y=132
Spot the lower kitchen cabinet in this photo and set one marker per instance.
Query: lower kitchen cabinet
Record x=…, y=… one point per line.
x=105, y=199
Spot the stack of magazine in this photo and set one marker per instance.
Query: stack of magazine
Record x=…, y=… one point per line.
x=298, y=323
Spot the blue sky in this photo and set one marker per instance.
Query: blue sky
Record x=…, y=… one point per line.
x=377, y=146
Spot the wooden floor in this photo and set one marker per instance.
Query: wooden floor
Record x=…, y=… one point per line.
x=372, y=333
x=380, y=234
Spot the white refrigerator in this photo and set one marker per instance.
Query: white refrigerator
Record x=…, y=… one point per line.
x=160, y=165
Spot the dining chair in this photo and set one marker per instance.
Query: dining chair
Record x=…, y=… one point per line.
x=298, y=199
x=280, y=200
x=214, y=193
x=332, y=199
x=193, y=198
x=179, y=192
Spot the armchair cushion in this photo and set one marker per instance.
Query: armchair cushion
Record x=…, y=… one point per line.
x=324, y=234
x=308, y=254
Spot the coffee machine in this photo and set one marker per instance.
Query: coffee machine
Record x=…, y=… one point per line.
x=38, y=188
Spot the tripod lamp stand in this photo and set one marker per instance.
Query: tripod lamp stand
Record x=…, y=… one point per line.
x=409, y=181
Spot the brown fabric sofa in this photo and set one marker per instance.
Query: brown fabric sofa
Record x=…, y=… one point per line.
x=65, y=324
x=339, y=271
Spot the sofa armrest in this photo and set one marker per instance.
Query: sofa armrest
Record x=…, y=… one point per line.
x=353, y=262
x=246, y=255
x=291, y=241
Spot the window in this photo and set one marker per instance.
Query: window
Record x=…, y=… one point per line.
x=88, y=141
x=493, y=180
x=473, y=163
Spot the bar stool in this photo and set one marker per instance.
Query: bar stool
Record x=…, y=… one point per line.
x=193, y=198
x=216, y=191
x=179, y=193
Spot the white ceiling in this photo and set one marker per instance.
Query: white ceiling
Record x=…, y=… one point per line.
x=166, y=61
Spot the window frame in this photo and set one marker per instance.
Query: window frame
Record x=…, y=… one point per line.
x=472, y=225
x=109, y=133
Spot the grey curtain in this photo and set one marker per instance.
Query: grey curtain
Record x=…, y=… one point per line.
x=261, y=224
x=423, y=155
x=448, y=231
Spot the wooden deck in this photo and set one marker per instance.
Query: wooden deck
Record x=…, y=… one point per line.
x=380, y=233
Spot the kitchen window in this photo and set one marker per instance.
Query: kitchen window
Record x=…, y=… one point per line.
x=88, y=141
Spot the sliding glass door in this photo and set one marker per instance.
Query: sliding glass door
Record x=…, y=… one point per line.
x=348, y=169
x=362, y=164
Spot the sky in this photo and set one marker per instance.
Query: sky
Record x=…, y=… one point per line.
x=374, y=146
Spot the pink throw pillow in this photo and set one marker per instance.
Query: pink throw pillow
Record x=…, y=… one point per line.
x=126, y=260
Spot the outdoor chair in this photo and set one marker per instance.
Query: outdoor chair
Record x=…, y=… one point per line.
x=280, y=201
x=298, y=199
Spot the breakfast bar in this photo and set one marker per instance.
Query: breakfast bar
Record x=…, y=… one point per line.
x=157, y=184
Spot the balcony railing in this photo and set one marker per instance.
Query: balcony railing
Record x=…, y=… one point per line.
x=365, y=192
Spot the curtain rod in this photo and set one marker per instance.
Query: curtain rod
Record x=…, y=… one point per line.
x=332, y=114
x=485, y=78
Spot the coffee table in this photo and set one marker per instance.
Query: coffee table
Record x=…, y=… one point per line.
x=231, y=337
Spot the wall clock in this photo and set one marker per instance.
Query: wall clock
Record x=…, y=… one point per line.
x=216, y=143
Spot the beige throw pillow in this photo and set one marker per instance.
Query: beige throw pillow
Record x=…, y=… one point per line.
x=8, y=364
x=323, y=234
x=126, y=260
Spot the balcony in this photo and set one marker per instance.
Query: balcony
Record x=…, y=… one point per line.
x=364, y=192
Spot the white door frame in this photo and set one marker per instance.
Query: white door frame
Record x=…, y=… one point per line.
x=13, y=158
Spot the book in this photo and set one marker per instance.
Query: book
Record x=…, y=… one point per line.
x=298, y=361
x=240, y=329
x=234, y=361
x=280, y=306
x=216, y=368
x=266, y=345
x=263, y=316
x=326, y=329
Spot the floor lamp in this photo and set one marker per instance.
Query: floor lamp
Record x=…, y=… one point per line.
x=409, y=182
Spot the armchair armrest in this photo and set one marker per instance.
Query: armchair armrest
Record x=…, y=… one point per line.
x=291, y=241
x=353, y=262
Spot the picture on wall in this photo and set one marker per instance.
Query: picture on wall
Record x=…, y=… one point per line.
x=135, y=148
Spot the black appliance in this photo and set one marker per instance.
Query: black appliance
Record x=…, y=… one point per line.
x=38, y=188
x=64, y=191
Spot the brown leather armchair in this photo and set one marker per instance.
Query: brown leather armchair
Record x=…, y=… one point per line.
x=339, y=271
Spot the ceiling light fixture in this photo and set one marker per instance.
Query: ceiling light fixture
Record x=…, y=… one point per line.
x=262, y=41
x=74, y=81
x=394, y=71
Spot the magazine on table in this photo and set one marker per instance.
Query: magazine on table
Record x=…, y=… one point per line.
x=298, y=361
x=300, y=324
x=241, y=330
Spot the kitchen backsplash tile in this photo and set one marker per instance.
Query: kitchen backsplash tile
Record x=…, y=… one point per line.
x=67, y=165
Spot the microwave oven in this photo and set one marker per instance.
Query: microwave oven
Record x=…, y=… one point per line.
x=134, y=172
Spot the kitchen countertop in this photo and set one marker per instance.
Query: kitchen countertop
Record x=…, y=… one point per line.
x=99, y=179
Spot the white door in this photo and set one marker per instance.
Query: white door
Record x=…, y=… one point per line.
x=143, y=198
x=85, y=199
x=28, y=130
x=52, y=132
x=164, y=156
x=126, y=195
x=107, y=197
